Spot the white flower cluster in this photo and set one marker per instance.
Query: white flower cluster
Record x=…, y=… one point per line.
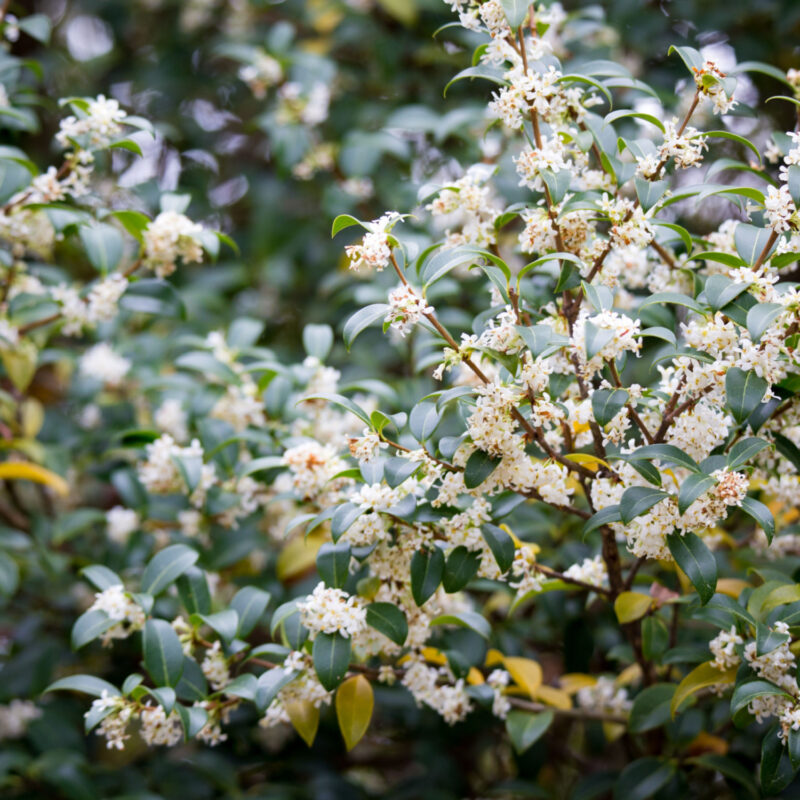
x=332, y=611
x=96, y=127
x=169, y=237
x=127, y=615
x=406, y=308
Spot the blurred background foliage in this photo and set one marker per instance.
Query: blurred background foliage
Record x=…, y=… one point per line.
x=249, y=173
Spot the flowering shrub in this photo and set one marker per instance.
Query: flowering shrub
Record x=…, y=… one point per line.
x=560, y=515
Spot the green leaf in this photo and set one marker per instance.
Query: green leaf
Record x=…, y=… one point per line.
x=691, y=488
x=697, y=561
x=760, y=317
x=163, y=654
x=624, y=113
x=734, y=138
x=153, y=296
x=193, y=591
x=243, y=686
x=776, y=768
x=465, y=619
x=744, y=450
x=318, y=340
x=103, y=245
x=345, y=402
x=602, y=517
x=225, y=622
x=479, y=71
x=516, y=11
x=193, y=719
x=667, y=453
x=501, y=545
x=746, y=692
x=363, y=318
x=761, y=514
x=744, y=391
x=343, y=221
x=423, y=420
x=331, y=654
x=203, y=362
x=101, y=577
x=638, y=500
x=166, y=566
x=460, y=568
x=427, y=569
x=607, y=403
x=88, y=684
x=557, y=182
x=343, y=517
x=691, y=57
x=596, y=339
x=655, y=637
x=89, y=626
x=479, y=467
x=37, y=26
x=389, y=620
x=333, y=562
x=642, y=778
x=750, y=241
x=649, y=192
x=270, y=683
x=673, y=298
x=249, y=603
x=721, y=290
x=525, y=728
x=651, y=708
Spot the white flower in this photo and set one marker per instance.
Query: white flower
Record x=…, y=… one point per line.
x=104, y=297
x=167, y=238
x=406, y=308
x=121, y=523
x=160, y=729
x=96, y=128
x=215, y=667
x=103, y=364
x=118, y=606
x=159, y=473
x=171, y=418
x=332, y=611
x=14, y=718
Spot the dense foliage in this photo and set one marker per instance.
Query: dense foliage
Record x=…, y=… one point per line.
x=536, y=538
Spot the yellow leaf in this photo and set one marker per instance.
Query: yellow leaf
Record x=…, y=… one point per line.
x=354, y=704
x=700, y=678
x=526, y=672
x=706, y=743
x=789, y=593
x=20, y=363
x=587, y=460
x=493, y=658
x=613, y=730
x=304, y=716
x=404, y=11
x=554, y=697
x=434, y=656
x=575, y=681
x=732, y=587
x=630, y=606
x=474, y=677
x=629, y=675
x=299, y=555
x=22, y=470
x=32, y=418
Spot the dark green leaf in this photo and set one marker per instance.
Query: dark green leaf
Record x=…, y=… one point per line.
x=697, y=561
